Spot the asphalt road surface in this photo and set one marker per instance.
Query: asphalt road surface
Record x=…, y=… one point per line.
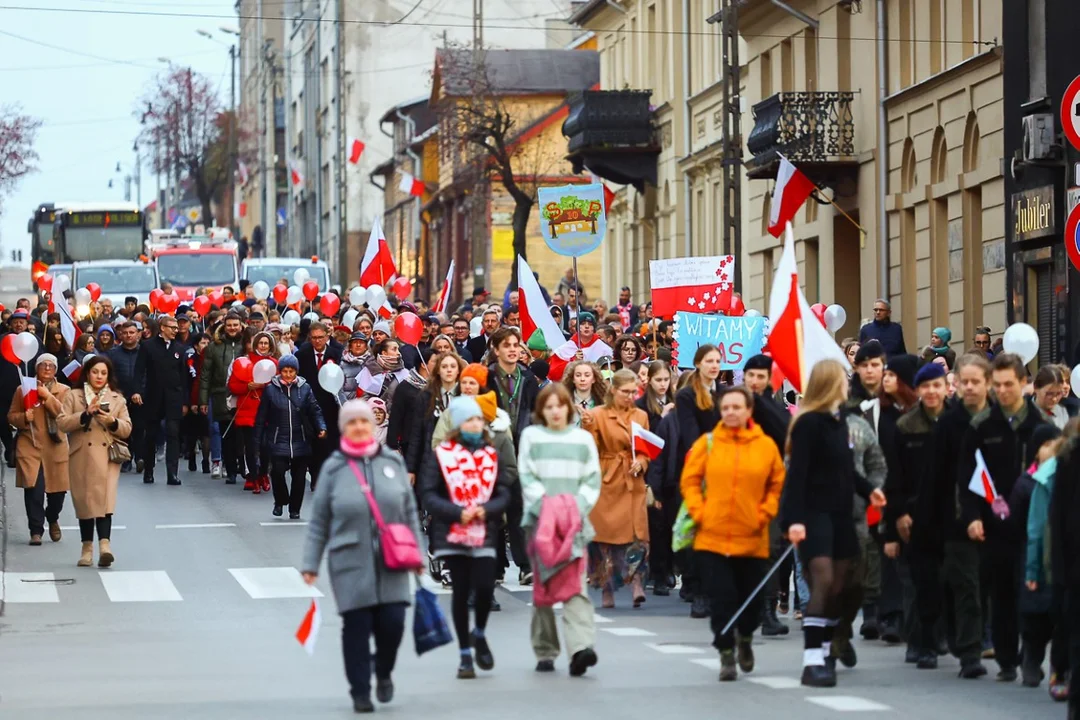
x=14, y=284
x=197, y=619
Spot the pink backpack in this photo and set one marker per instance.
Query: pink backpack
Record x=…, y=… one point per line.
x=400, y=550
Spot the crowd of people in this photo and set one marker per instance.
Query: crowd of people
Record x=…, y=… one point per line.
x=493, y=446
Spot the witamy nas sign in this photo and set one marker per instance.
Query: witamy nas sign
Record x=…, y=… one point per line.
x=1033, y=213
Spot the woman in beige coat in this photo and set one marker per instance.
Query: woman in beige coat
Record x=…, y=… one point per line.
x=41, y=451
x=94, y=416
x=620, y=550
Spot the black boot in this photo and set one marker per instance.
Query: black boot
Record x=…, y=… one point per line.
x=700, y=607
x=770, y=624
x=869, y=629
x=148, y=476
x=1030, y=668
x=818, y=676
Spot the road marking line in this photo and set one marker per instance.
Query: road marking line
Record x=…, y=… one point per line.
x=28, y=587
x=710, y=663
x=675, y=649
x=273, y=582
x=285, y=523
x=776, y=682
x=139, y=586
x=848, y=703
x=73, y=528
x=629, y=632
x=193, y=526
x=601, y=619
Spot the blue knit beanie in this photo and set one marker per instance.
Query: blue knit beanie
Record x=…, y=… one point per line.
x=288, y=361
x=463, y=409
x=929, y=371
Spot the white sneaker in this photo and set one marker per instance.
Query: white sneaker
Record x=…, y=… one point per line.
x=215, y=470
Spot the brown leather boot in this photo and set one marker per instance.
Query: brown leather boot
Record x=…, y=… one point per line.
x=87, y=557
x=105, y=556
x=54, y=532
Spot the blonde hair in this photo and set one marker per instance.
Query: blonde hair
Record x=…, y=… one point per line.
x=618, y=380
x=825, y=389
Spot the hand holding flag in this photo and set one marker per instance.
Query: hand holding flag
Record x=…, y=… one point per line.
x=983, y=485
x=308, y=632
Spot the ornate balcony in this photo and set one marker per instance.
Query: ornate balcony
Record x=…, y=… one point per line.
x=814, y=130
x=611, y=133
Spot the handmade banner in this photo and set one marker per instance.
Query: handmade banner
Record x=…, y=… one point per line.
x=572, y=218
x=737, y=338
x=691, y=284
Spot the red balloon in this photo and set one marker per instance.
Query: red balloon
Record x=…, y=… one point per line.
x=280, y=293
x=330, y=304
x=819, y=312
x=95, y=291
x=243, y=369
x=738, y=307
x=155, y=295
x=217, y=298
x=168, y=303
x=408, y=328
x=402, y=288
x=8, y=351
x=44, y=283
x=201, y=305
x=311, y=289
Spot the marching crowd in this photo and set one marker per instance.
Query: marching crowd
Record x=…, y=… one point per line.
x=931, y=493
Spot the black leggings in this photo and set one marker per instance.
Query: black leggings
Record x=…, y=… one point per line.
x=258, y=459
x=103, y=524
x=470, y=574
x=827, y=578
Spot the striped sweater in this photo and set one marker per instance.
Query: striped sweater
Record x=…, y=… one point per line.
x=559, y=462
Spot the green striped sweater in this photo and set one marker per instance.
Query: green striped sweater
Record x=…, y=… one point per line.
x=559, y=462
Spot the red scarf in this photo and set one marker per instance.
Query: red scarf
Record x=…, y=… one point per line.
x=470, y=478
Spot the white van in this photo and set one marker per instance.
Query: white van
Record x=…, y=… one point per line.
x=118, y=279
x=273, y=270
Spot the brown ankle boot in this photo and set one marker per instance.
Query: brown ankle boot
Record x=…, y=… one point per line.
x=87, y=557
x=105, y=557
x=54, y=532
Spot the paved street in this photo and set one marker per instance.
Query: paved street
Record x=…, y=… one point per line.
x=196, y=619
x=14, y=284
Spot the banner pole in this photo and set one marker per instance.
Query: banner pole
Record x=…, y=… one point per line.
x=577, y=291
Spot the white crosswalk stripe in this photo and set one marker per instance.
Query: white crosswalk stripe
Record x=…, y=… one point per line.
x=273, y=582
x=847, y=703
x=139, y=586
x=19, y=587
x=675, y=649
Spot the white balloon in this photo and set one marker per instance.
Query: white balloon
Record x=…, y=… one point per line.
x=331, y=378
x=1074, y=380
x=476, y=327
x=291, y=317
x=25, y=346
x=1023, y=340
x=261, y=290
x=312, y=316
x=295, y=295
x=376, y=296
x=301, y=276
x=835, y=317
x=357, y=296
x=61, y=284
x=752, y=313
x=82, y=296
x=350, y=318
x=264, y=371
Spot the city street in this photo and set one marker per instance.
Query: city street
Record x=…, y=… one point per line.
x=196, y=619
x=14, y=284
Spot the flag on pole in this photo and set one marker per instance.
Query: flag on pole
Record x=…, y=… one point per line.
x=295, y=175
x=702, y=284
x=67, y=322
x=308, y=632
x=242, y=172
x=356, y=149
x=792, y=189
x=533, y=310
x=444, y=296
x=377, y=266
x=645, y=442
x=73, y=371
x=411, y=185
x=797, y=340
x=29, y=392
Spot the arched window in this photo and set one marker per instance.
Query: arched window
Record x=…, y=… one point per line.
x=971, y=143
x=938, y=157
x=766, y=211
x=908, y=177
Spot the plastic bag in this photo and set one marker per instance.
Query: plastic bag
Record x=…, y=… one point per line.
x=430, y=630
x=683, y=531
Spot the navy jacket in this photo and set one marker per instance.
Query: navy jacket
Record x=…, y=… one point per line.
x=889, y=334
x=289, y=418
x=123, y=361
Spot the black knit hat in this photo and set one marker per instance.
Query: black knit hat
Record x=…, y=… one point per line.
x=1041, y=435
x=905, y=367
x=872, y=349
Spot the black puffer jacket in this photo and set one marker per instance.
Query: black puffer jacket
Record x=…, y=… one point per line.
x=289, y=418
x=435, y=499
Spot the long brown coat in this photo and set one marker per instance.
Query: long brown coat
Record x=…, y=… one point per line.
x=619, y=516
x=34, y=449
x=94, y=480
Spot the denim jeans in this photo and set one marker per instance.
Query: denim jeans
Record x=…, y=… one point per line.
x=215, y=436
x=802, y=588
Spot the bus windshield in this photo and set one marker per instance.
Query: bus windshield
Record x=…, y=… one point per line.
x=197, y=269
x=100, y=243
x=272, y=274
x=126, y=279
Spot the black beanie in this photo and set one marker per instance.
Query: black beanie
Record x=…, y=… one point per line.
x=1041, y=435
x=869, y=351
x=905, y=367
x=758, y=362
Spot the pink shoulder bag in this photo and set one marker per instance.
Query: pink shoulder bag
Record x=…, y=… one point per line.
x=399, y=548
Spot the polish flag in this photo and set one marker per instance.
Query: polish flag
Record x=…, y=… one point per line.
x=356, y=149
x=242, y=172
x=698, y=284
x=609, y=194
x=981, y=483
x=645, y=442
x=792, y=189
x=411, y=185
x=73, y=371
x=308, y=632
x=295, y=175
x=377, y=266
x=444, y=296
x=534, y=313
x=67, y=321
x=29, y=392
x=797, y=340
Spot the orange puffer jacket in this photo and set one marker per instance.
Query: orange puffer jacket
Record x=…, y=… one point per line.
x=732, y=491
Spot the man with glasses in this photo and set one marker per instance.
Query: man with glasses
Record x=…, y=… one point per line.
x=311, y=357
x=884, y=330
x=162, y=373
x=982, y=342
x=461, y=339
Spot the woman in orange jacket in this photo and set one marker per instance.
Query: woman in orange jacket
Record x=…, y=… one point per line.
x=731, y=484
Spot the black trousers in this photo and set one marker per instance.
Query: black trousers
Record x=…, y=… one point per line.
x=196, y=432
x=1071, y=619
x=102, y=524
x=777, y=546
x=41, y=507
x=951, y=578
x=1005, y=580
x=513, y=531
x=293, y=493
x=137, y=414
x=172, y=444
x=478, y=576
x=661, y=559
x=232, y=448
x=387, y=624
x=257, y=458
x=321, y=448
x=728, y=581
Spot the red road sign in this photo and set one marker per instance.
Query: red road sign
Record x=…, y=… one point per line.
x=1072, y=237
x=1070, y=113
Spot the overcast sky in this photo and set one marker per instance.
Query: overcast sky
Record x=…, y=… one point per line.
x=87, y=103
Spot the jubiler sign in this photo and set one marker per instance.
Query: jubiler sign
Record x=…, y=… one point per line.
x=1033, y=213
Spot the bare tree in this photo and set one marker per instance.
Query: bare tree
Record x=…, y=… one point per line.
x=17, y=155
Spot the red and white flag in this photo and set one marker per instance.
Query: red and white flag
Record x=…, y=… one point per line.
x=308, y=632
x=356, y=149
x=694, y=284
x=645, y=442
x=609, y=194
x=411, y=185
x=981, y=483
x=534, y=313
x=242, y=172
x=444, y=296
x=792, y=189
x=797, y=340
x=29, y=392
x=67, y=321
x=73, y=371
x=377, y=266
x=295, y=176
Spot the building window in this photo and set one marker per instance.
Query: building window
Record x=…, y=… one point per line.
x=811, y=271
x=971, y=143
x=766, y=75
x=938, y=157
x=908, y=176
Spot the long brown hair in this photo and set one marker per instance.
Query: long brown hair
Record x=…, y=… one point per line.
x=565, y=398
x=904, y=399
x=704, y=396
x=599, y=387
x=651, y=399
x=434, y=383
x=825, y=388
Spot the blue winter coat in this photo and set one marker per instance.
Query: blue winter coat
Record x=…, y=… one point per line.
x=289, y=418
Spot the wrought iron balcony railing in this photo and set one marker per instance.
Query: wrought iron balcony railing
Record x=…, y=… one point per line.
x=804, y=127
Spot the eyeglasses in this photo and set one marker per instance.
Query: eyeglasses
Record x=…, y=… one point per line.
x=983, y=343
x=317, y=337
x=629, y=392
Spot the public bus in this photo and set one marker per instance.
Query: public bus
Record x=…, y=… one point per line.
x=77, y=232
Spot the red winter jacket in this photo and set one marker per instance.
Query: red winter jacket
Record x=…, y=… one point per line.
x=247, y=401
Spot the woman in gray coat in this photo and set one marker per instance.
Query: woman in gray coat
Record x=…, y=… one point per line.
x=370, y=598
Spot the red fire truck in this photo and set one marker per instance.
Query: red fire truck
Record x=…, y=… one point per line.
x=193, y=262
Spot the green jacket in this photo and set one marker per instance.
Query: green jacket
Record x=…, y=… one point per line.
x=213, y=385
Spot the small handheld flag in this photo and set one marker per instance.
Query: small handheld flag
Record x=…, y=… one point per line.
x=983, y=485
x=645, y=442
x=29, y=392
x=73, y=371
x=308, y=632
